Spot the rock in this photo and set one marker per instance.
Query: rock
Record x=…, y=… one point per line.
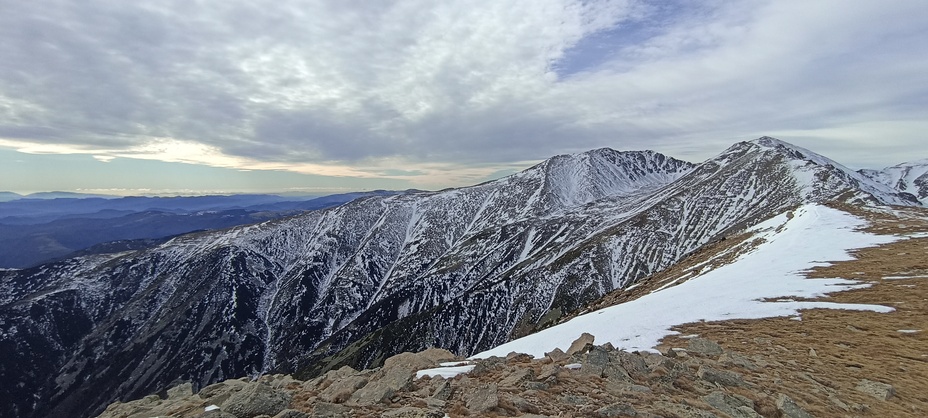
x=535, y=386
x=519, y=403
x=722, y=377
x=548, y=370
x=182, y=390
x=734, y=405
x=434, y=355
x=580, y=344
x=517, y=377
x=256, y=399
x=411, y=412
x=487, y=364
x=557, y=355
x=683, y=411
x=396, y=374
x=729, y=358
x=617, y=410
x=812, y=353
x=881, y=391
x=608, y=346
x=514, y=358
x=483, y=399
x=443, y=391
x=291, y=413
x=342, y=389
x=216, y=413
x=595, y=362
x=330, y=410
x=217, y=393
x=704, y=347
x=789, y=409
x=632, y=365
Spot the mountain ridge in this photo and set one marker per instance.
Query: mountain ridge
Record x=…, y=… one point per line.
x=359, y=282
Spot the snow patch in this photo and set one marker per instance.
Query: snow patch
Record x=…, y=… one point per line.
x=772, y=270
x=445, y=372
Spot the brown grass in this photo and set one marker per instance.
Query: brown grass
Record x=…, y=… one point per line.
x=848, y=345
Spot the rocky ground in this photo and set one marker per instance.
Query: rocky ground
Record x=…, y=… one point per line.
x=831, y=363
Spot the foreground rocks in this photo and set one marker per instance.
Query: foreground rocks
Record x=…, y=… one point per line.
x=703, y=380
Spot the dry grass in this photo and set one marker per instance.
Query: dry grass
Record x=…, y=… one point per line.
x=848, y=345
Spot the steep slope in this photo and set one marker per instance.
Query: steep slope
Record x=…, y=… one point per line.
x=228, y=303
x=357, y=283
x=910, y=177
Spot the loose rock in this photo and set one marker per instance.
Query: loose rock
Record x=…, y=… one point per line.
x=881, y=391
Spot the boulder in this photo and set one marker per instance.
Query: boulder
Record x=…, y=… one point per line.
x=704, y=347
x=632, y=364
x=595, y=362
x=342, y=389
x=482, y=399
x=881, y=391
x=557, y=355
x=291, y=413
x=256, y=399
x=330, y=410
x=734, y=405
x=396, y=374
x=182, y=390
x=517, y=377
x=580, y=344
x=789, y=409
x=411, y=412
x=722, y=377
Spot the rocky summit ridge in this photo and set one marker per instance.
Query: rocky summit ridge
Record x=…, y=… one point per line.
x=359, y=283
x=701, y=379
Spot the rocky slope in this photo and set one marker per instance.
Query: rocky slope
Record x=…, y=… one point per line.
x=355, y=284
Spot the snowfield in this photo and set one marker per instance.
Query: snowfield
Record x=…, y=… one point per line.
x=774, y=269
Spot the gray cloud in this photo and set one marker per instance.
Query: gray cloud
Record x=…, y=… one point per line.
x=458, y=82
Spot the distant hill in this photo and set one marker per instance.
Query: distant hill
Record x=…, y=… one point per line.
x=38, y=231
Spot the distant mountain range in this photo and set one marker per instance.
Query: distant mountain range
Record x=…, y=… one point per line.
x=35, y=231
x=353, y=284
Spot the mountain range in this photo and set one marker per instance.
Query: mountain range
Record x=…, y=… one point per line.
x=36, y=231
x=354, y=284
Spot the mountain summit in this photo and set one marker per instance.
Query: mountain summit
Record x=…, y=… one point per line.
x=355, y=284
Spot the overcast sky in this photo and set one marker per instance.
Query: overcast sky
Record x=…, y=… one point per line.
x=181, y=96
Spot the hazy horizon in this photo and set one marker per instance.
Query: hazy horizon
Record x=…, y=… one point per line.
x=230, y=96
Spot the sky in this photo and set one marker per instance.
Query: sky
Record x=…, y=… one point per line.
x=232, y=96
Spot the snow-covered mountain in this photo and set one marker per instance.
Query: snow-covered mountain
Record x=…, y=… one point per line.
x=910, y=177
x=381, y=275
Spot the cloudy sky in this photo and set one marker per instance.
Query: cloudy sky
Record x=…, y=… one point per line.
x=293, y=95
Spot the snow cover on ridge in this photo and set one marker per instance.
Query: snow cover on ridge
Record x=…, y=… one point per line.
x=910, y=177
x=734, y=291
x=807, y=164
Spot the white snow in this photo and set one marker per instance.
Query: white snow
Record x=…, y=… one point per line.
x=904, y=277
x=572, y=366
x=909, y=331
x=446, y=372
x=211, y=408
x=455, y=363
x=734, y=291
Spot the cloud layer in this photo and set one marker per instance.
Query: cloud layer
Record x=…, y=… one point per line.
x=447, y=92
